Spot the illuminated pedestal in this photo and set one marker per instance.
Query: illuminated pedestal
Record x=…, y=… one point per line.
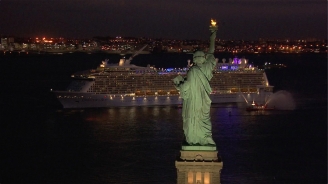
x=198, y=164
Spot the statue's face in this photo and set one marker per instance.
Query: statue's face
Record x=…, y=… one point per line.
x=199, y=57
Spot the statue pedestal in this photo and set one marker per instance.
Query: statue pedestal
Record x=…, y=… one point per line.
x=198, y=164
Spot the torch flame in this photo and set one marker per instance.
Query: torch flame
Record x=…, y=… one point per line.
x=213, y=22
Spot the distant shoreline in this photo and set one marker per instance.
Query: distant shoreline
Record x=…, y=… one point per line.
x=68, y=51
x=59, y=52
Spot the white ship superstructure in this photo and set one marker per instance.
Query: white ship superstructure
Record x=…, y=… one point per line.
x=125, y=84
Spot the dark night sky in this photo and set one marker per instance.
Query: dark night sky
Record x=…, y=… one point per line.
x=180, y=19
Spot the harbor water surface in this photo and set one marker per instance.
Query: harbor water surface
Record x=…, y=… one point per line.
x=43, y=143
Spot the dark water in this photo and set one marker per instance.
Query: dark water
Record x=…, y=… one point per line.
x=43, y=143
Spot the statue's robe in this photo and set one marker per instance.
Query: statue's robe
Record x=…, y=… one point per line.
x=195, y=91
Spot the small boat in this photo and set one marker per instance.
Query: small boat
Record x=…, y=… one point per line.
x=257, y=107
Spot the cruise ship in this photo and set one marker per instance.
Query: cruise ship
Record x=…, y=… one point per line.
x=125, y=84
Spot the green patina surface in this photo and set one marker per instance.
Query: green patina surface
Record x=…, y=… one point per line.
x=195, y=91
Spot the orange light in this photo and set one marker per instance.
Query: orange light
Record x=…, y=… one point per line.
x=213, y=22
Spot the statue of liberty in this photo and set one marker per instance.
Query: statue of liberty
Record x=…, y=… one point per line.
x=195, y=90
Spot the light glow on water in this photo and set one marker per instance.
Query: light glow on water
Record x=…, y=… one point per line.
x=140, y=144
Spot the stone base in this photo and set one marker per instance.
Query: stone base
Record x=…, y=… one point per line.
x=198, y=166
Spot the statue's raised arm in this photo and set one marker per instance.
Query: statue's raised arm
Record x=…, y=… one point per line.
x=210, y=61
x=213, y=29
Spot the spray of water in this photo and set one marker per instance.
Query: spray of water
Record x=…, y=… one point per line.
x=244, y=98
x=281, y=100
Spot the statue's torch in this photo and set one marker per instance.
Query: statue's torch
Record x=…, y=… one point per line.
x=213, y=26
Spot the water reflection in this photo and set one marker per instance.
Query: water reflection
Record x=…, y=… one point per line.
x=140, y=144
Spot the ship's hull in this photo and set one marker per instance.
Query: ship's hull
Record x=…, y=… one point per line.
x=89, y=100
